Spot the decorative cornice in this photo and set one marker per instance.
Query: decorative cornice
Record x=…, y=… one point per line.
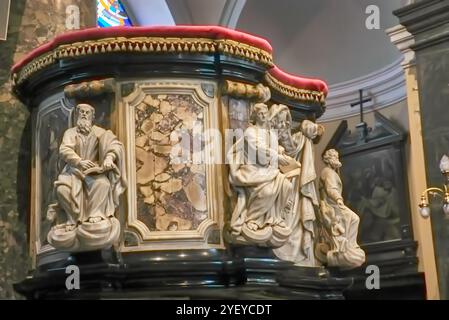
x=415, y=6
x=386, y=86
x=403, y=40
x=144, y=45
x=257, y=93
x=210, y=43
x=423, y=16
x=302, y=95
x=89, y=88
x=434, y=40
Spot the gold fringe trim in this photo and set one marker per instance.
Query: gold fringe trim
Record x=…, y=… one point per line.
x=145, y=45
x=295, y=93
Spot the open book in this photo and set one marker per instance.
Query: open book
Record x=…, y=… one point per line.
x=292, y=169
x=99, y=170
x=94, y=170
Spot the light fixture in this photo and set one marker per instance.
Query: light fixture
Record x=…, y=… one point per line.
x=424, y=208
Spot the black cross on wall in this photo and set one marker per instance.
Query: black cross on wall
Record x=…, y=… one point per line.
x=360, y=103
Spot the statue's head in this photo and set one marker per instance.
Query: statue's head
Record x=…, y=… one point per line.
x=259, y=115
x=85, y=116
x=280, y=117
x=331, y=158
x=85, y=111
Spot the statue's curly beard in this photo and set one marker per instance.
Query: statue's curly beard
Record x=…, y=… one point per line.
x=335, y=163
x=84, y=126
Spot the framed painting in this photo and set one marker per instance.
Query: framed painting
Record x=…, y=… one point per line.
x=374, y=180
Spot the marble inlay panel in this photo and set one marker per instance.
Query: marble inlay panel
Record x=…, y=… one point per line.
x=171, y=194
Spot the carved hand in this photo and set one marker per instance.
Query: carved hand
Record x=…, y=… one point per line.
x=285, y=134
x=51, y=212
x=340, y=203
x=320, y=130
x=86, y=164
x=283, y=160
x=108, y=163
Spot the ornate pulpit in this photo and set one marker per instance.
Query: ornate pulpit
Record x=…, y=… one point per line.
x=132, y=133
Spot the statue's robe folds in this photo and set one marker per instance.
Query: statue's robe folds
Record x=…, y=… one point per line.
x=95, y=195
x=345, y=251
x=262, y=190
x=301, y=219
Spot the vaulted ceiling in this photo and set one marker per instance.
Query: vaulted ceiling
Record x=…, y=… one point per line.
x=320, y=38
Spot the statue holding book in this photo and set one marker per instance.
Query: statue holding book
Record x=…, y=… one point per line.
x=263, y=191
x=89, y=186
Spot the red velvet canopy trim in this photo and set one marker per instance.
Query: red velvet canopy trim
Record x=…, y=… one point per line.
x=299, y=82
x=208, y=32
x=295, y=86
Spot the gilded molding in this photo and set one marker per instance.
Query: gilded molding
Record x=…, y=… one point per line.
x=295, y=93
x=259, y=92
x=144, y=45
x=89, y=88
x=203, y=236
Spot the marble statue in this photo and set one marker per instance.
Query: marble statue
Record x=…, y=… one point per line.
x=263, y=191
x=299, y=248
x=89, y=186
x=339, y=223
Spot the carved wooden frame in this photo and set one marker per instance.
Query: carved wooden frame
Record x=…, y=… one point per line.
x=47, y=106
x=169, y=240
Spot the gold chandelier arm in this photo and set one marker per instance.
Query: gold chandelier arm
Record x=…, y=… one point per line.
x=438, y=191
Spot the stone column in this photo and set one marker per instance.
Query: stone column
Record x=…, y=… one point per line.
x=42, y=20
x=428, y=23
x=416, y=169
x=31, y=23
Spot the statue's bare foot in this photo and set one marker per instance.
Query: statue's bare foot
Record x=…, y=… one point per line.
x=70, y=227
x=60, y=226
x=252, y=226
x=94, y=219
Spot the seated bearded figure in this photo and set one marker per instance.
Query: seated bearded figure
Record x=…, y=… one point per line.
x=89, y=186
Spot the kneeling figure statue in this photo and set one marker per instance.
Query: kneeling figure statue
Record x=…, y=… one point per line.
x=339, y=224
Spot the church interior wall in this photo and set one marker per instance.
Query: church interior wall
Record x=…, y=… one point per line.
x=396, y=113
x=31, y=24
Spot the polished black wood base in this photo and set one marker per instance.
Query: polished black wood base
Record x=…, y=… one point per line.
x=399, y=278
x=236, y=273
x=192, y=274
